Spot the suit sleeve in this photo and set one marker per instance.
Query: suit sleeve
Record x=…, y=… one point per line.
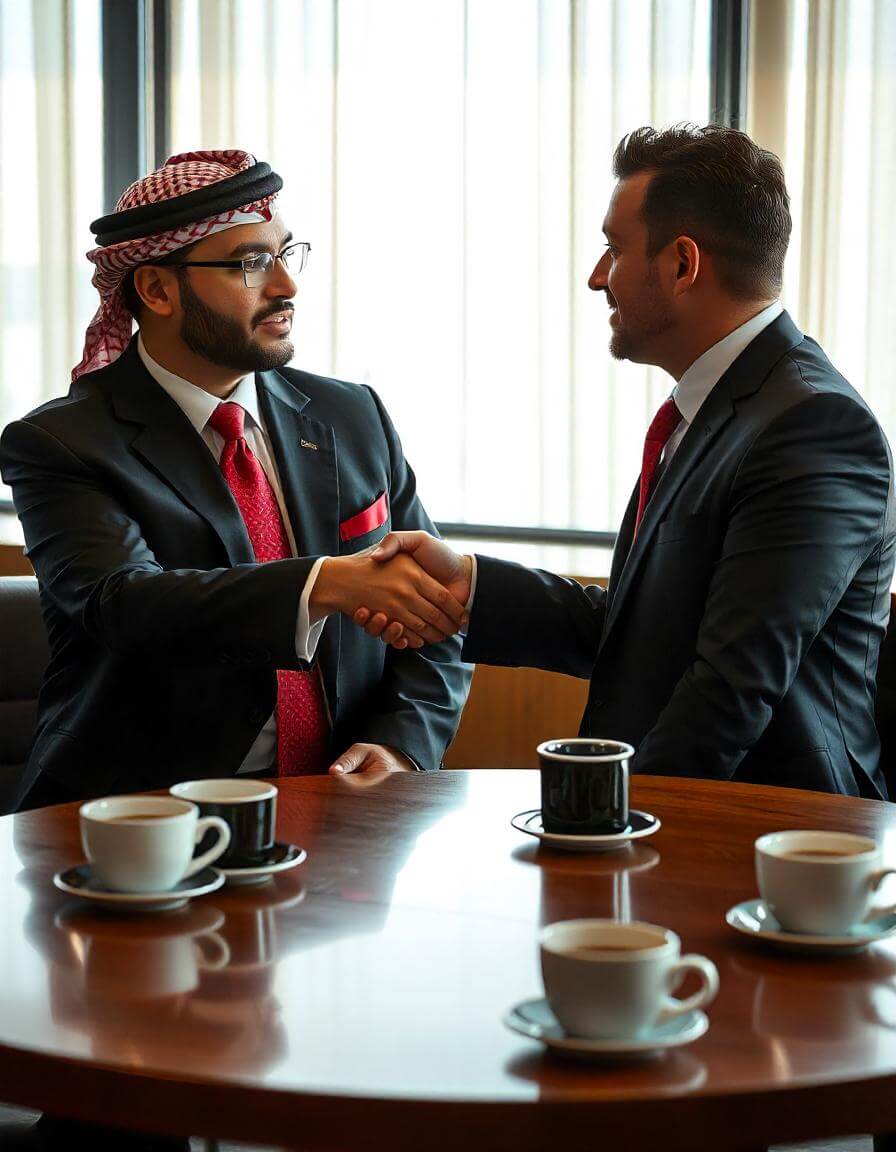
x=92, y=560
x=523, y=617
x=808, y=507
x=423, y=691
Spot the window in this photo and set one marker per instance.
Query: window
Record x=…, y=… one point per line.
x=450, y=164
x=51, y=179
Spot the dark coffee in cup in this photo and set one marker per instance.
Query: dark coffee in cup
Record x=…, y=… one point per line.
x=599, y=949
x=584, y=786
x=821, y=854
x=138, y=817
x=248, y=806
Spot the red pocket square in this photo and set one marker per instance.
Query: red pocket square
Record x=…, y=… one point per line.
x=372, y=517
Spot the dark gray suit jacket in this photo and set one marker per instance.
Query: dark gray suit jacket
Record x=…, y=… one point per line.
x=739, y=635
x=164, y=633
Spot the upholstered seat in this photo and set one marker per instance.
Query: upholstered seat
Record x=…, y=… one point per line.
x=23, y=657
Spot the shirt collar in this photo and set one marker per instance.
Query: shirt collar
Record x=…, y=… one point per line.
x=706, y=371
x=195, y=403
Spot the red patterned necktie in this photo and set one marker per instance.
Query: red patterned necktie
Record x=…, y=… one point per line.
x=661, y=428
x=302, y=725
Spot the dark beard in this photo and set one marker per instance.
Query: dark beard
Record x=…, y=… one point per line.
x=221, y=340
x=654, y=319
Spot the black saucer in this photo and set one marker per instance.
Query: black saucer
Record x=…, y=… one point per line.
x=281, y=858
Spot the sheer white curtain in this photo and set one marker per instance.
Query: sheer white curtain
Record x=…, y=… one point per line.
x=51, y=179
x=823, y=96
x=450, y=164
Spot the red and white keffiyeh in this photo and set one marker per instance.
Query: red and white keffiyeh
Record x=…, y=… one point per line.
x=109, y=332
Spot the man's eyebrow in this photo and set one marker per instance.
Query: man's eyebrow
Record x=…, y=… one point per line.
x=259, y=246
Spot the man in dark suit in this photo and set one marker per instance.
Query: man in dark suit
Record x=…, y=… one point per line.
x=180, y=460
x=750, y=584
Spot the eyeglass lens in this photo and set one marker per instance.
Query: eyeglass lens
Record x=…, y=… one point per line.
x=260, y=267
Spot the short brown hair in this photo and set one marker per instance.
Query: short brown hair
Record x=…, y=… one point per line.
x=718, y=187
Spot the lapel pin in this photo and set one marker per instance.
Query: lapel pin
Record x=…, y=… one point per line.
x=308, y=444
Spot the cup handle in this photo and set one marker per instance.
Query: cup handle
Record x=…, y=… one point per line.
x=874, y=882
x=219, y=945
x=216, y=850
x=709, y=976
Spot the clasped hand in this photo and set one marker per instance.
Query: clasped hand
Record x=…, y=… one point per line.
x=410, y=591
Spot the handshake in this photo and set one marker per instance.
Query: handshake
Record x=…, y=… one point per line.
x=411, y=590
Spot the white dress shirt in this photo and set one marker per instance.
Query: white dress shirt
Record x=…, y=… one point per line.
x=707, y=370
x=198, y=405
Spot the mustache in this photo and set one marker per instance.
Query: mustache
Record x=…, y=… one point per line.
x=282, y=306
x=611, y=302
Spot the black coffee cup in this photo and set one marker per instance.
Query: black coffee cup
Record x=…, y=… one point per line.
x=584, y=786
x=248, y=806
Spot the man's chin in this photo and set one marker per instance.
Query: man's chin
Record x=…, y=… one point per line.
x=273, y=355
x=619, y=348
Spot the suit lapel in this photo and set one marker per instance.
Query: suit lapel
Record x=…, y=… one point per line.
x=170, y=445
x=305, y=451
x=716, y=411
x=745, y=376
x=623, y=545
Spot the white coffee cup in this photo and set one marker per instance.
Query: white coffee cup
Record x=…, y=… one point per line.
x=823, y=883
x=146, y=843
x=607, y=979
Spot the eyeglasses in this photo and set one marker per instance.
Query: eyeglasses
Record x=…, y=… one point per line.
x=258, y=266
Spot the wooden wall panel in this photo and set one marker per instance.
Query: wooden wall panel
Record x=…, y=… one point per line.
x=13, y=561
x=510, y=711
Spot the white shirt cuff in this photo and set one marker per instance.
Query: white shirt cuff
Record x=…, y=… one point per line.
x=307, y=630
x=473, y=570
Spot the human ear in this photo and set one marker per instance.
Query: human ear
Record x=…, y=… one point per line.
x=687, y=264
x=155, y=287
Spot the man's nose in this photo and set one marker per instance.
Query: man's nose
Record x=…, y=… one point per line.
x=598, y=278
x=279, y=282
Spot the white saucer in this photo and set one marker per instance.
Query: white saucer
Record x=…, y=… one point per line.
x=281, y=858
x=640, y=824
x=753, y=918
x=80, y=881
x=534, y=1018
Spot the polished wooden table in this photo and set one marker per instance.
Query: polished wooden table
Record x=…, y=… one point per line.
x=357, y=1001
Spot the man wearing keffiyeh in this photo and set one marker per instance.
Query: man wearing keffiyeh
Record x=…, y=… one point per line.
x=199, y=517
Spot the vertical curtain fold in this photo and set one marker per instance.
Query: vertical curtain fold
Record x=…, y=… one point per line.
x=823, y=96
x=50, y=189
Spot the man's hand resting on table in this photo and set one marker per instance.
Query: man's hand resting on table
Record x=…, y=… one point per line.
x=371, y=758
x=394, y=587
x=451, y=570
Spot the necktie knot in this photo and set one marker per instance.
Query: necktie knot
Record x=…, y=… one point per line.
x=227, y=420
x=664, y=422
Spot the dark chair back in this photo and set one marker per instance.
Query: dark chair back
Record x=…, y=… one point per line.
x=23, y=658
